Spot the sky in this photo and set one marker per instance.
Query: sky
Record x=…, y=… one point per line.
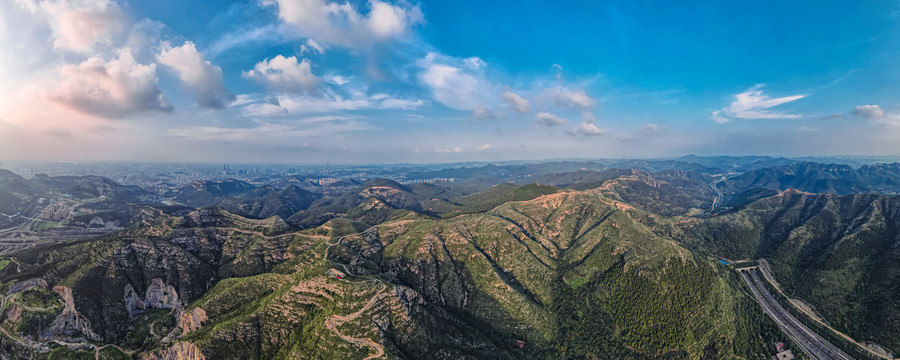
x=321, y=81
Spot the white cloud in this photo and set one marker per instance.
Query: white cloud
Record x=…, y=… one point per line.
x=567, y=98
x=200, y=77
x=241, y=37
x=266, y=132
x=515, y=103
x=586, y=129
x=453, y=85
x=548, y=119
x=79, y=24
x=474, y=63
x=447, y=150
x=324, y=103
x=336, y=79
x=719, y=118
x=483, y=113
x=483, y=147
x=284, y=74
x=111, y=89
x=312, y=46
x=754, y=104
x=869, y=111
x=342, y=24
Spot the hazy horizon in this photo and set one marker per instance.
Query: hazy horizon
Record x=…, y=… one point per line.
x=372, y=82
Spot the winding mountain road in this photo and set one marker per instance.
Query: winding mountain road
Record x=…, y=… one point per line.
x=333, y=321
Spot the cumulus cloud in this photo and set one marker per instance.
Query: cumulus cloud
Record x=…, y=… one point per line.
x=568, y=98
x=586, y=130
x=754, y=104
x=869, y=111
x=342, y=24
x=79, y=25
x=548, y=119
x=116, y=88
x=199, y=76
x=285, y=74
x=453, y=83
x=483, y=147
x=515, y=103
x=586, y=127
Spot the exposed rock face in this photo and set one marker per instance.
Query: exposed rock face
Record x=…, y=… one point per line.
x=190, y=321
x=178, y=351
x=133, y=302
x=68, y=325
x=27, y=285
x=158, y=296
x=161, y=296
x=13, y=314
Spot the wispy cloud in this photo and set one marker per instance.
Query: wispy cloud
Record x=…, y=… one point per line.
x=327, y=102
x=754, y=104
x=548, y=119
x=515, y=103
x=265, y=132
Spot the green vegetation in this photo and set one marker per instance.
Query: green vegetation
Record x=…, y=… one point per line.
x=46, y=225
x=618, y=270
x=63, y=353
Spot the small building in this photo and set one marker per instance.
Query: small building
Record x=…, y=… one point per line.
x=784, y=355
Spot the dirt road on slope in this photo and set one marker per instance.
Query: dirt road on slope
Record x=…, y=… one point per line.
x=333, y=321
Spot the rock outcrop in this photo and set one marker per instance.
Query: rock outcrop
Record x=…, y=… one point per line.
x=158, y=296
x=161, y=296
x=190, y=320
x=13, y=314
x=178, y=351
x=133, y=302
x=68, y=325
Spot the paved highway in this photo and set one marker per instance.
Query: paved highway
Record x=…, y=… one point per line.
x=810, y=343
x=719, y=196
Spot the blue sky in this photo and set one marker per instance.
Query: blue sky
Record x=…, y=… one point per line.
x=313, y=81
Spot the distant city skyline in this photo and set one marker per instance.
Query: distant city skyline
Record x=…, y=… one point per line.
x=319, y=81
